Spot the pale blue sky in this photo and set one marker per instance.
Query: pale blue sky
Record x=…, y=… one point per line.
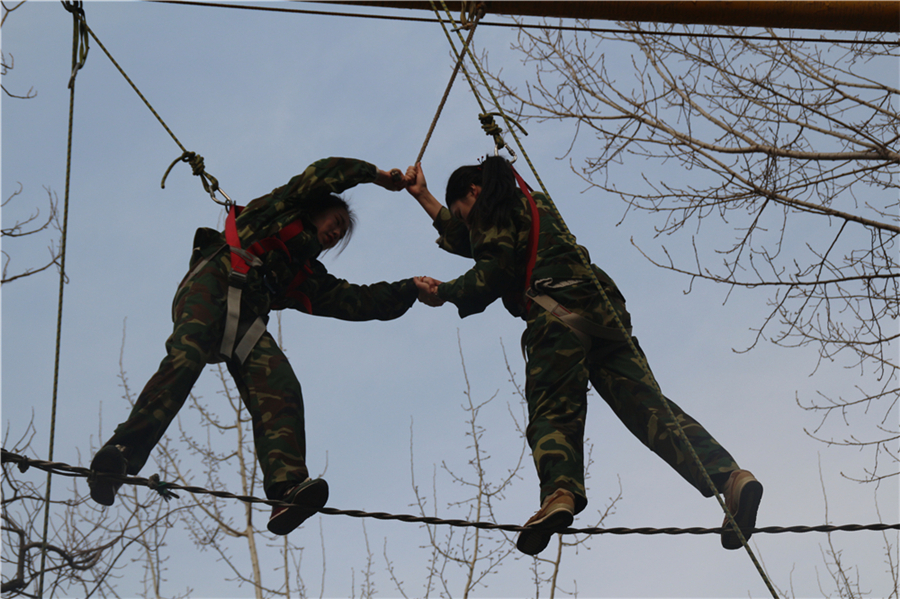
x=260, y=96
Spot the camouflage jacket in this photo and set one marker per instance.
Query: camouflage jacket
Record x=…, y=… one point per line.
x=501, y=258
x=266, y=286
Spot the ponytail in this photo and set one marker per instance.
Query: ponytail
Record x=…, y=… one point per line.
x=498, y=191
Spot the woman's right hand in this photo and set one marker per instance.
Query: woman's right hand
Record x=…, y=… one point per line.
x=418, y=188
x=417, y=185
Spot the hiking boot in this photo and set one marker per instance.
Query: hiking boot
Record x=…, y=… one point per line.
x=556, y=514
x=307, y=498
x=109, y=460
x=742, y=494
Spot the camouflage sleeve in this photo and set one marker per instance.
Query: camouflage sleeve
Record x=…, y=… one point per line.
x=493, y=275
x=328, y=175
x=337, y=298
x=267, y=214
x=454, y=234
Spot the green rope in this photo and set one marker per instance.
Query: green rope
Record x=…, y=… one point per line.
x=210, y=183
x=79, y=35
x=641, y=359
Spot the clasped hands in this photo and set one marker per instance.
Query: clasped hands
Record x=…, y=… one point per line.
x=428, y=291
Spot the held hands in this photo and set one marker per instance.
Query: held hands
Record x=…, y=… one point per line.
x=428, y=291
x=394, y=180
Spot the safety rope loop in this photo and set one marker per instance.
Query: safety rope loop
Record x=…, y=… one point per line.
x=210, y=183
x=81, y=33
x=493, y=129
x=469, y=15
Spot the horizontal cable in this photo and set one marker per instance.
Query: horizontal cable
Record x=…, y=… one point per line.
x=63, y=469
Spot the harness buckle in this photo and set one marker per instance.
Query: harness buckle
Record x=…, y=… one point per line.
x=237, y=279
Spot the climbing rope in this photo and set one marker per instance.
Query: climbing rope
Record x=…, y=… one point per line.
x=479, y=12
x=165, y=490
x=79, y=56
x=210, y=183
x=587, y=264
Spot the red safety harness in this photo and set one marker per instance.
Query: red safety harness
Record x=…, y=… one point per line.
x=583, y=328
x=242, y=260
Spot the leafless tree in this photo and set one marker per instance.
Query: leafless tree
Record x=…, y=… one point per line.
x=86, y=546
x=8, y=61
x=463, y=560
x=33, y=224
x=770, y=163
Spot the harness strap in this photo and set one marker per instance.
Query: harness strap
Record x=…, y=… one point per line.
x=242, y=260
x=533, y=234
x=583, y=328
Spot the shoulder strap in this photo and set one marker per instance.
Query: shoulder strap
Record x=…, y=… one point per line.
x=533, y=234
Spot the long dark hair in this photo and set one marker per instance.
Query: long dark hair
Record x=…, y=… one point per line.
x=317, y=204
x=498, y=191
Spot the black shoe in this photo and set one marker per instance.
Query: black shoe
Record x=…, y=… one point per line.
x=307, y=498
x=109, y=460
x=742, y=496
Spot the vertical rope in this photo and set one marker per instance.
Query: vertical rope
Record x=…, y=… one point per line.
x=641, y=359
x=78, y=34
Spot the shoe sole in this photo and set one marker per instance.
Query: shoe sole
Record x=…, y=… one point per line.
x=745, y=517
x=308, y=500
x=536, y=538
x=103, y=491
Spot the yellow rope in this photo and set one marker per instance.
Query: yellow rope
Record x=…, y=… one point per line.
x=210, y=183
x=443, y=101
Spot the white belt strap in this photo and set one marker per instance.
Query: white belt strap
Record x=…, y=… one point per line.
x=583, y=328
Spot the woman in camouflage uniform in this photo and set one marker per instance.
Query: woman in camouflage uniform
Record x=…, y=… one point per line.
x=489, y=219
x=278, y=238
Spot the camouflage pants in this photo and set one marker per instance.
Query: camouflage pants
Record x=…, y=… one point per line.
x=558, y=371
x=266, y=382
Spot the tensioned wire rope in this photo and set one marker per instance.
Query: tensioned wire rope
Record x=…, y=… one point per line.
x=165, y=490
x=211, y=185
x=642, y=362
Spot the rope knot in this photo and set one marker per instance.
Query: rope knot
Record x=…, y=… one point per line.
x=493, y=129
x=210, y=183
x=196, y=162
x=161, y=487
